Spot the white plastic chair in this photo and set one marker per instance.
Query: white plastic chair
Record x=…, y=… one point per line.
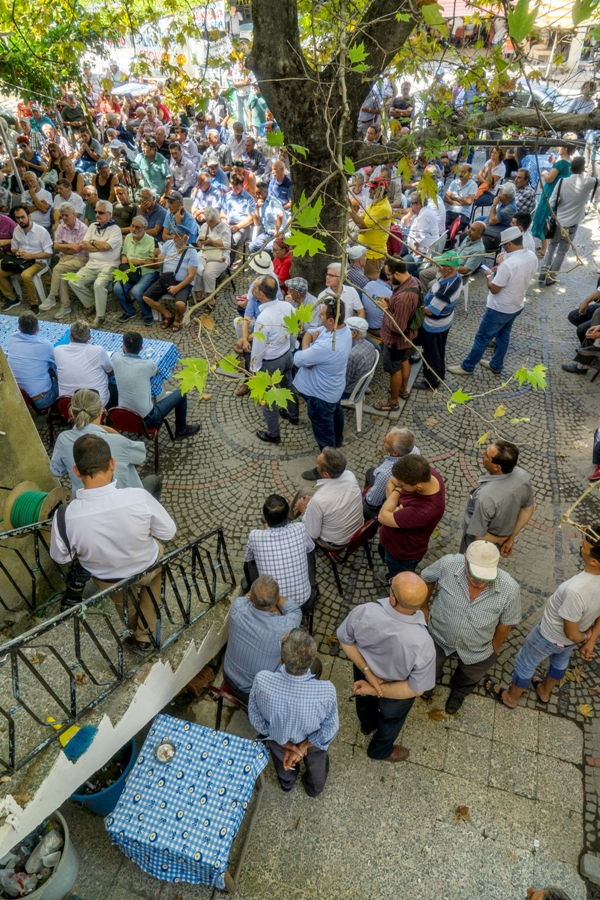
x=37, y=282
x=357, y=396
x=187, y=203
x=465, y=291
x=438, y=245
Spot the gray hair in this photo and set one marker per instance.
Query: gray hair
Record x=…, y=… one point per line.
x=336, y=267
x=211, y=213
x=150, y=190
x=105, y=205
x=555, y=893
x=140, y=220
x=67, y=207
x=507, y=188
x=298, y=651
x=213, y=131
x=264, y=592
x=110, y=131
x=526, y=174
x=86, y=406
x=404, y=440
x=334, y=462
x=80, y=332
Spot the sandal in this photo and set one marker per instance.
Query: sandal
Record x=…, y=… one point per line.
x=176, y=327
x=404, y=396
x=167, y=322
x=535, y=680
x=496, y=695
x=386, y=407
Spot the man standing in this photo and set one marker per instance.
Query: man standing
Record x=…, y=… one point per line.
x=29, y=242
x=398, y=442
x=459, y=198
x=394, y=661
x=395, y=332
x=321, y=375
x=475, y=607
x=502, y=503
x=296, y=714
x=31, y=359
x=505, y=301
x=103, y=242
x=570, y=212
x=363, y=355
x=439, y=305
x=571, y=616
x=68, y=239
x=374, y=226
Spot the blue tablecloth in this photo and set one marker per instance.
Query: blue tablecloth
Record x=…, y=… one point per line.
x=530, y=163
x=164, y=353
x=177, y=820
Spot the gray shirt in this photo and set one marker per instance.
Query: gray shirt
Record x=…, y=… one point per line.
x=126, y=454
x=496, y=502
x=396, y=647
x=467, y=626
x=576, y=600
x=574, y=195
x=133, y=374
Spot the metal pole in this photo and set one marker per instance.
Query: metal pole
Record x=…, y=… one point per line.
x=5, y=138
x=551, y=57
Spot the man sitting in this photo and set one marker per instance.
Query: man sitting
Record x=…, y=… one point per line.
x=68, y=238
x=459, y=197
x=398, y=442
x=284, y=550
x=103, y=242
x=471, y=251
x=139, y=250
x=333, y=513
x=237, y=210
x=177, y=215
x=37, y=201
x=205, y=194
x=179, y=264
x=84, y=365
x=153, y=213
x=66, y=194
x=252, y=158
x=357, y=259
x=363, y=354
x=379, y=289
x=269, y=216
x=257, y=623
x=29, y=242
x=133, y=376
x=32, y=362
x=500, y=216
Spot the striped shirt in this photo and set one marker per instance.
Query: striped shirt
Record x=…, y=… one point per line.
x=467, y=626
x=281, y=553
x=440, y=301
x=285, y=707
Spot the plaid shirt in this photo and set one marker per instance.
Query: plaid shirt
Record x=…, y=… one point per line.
x=525, y=199
x=281, y=553
x=382, y=474
x=184, y=174
x=37, y=140
x=361, y=359
x=286, y=707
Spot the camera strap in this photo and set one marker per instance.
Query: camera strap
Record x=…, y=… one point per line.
x=61, y=523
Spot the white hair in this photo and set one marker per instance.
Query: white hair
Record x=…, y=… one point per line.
x=105, y=205
x=335, y=267
x=211, y=213
x=66, y=207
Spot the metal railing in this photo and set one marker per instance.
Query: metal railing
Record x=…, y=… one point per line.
x=86, y=658
x=42, y=574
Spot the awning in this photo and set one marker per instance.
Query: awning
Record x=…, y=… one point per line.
x=555, y=14
x=451, y=9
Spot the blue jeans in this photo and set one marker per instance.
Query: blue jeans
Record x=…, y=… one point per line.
x=85, y=165
x=327, y=420
x=493, y=325
x=161, y=410
x=412, y=269
x=258, y=242
x=122, y=290
x=47, y=399
x=395, y=566
x=535, y=649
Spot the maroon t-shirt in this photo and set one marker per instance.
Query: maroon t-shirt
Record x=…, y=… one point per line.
x=416, y=522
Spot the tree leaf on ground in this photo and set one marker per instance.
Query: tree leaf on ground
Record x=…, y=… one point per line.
x=436, y=714
x=207, y=322
x=517, y=421
x=593, y=690
x=512, y=856
x=37, y=658
x=461, y=813
x=22, y=799
x=331, y=640
x=500, y=411
x=432, y=421
x=80, y=678
x=481, y=441
x=578, y=674
x=586, y=710
x=205, y=397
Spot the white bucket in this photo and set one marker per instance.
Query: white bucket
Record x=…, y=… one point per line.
x=60, y=883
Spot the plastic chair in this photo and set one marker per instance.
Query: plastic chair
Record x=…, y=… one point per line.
x=63, y=405
x=123, y=419
x=357, y=396
x=465, y=291
x=359, y=539
x=48, y=412
x=37, y=281
x=438, y=245
x=454, y=229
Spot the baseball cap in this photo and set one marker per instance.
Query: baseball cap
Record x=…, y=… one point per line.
x=176, y=195
x=510, y=234
x=212, y=161
x=238, y=163
x=375, y=182
x=297, y=284
x=357, y=324
x=356, y=252
x=101, y=164
x=263, y=264
x=482, y=558
x=450, y=258
x=181, y=229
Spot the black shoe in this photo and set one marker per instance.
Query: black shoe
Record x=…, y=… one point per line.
x=427, y=694
x=149, y=323
x=187, y=432
x=415, y=358
x=310, y=475
x=126, y=317
x=422, y=386
x=285, y=415
x=14, y=301
x=267, y=438
x=140, y=648
x=550, y=279
x=454, y=703
x=574, y=369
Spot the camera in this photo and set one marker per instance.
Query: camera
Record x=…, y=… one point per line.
x=76, y=579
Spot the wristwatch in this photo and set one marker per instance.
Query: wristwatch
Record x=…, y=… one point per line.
x=366, y=669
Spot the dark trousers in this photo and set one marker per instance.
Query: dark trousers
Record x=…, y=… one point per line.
x=284, y=364
x=582, y=322
x=177, y=401
x=465, y=678
x=385, y=717
x=370, y=512
x=316, y=763
x=327, y=420
x=433, y=345
x=395, y=566
x=596, y=453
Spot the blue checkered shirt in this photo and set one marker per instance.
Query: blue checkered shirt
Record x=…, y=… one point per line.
x=285, y=707
x=382, y=473
x=281, y=553
x=525, y=199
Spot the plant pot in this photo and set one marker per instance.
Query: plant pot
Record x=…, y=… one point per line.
x=62, y=880
x=103, y=802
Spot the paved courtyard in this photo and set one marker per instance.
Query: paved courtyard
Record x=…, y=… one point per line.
x=491, y=801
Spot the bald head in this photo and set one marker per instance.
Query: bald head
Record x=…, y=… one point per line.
x=408, y=592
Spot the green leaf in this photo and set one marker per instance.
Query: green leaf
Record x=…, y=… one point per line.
x=517, y=421
x=460, y=396
x=403, y=169
x=230, y=363
x=194, y=375
x=298, y=148
x=521, y=20
x=279, y=397
x=275, y=139
x=72, y=276
x=258, y=385
x=131, y=267
x=310, y=215
x=292, y=323
x=433, y=15
x=596, y=33
x=357, y=53
x=360, y=67
x=582, y=10
x=258, y=336
x=119, y=275
x=349, y=167
x=305, y=313
x=303, y=244
x=536, y=377
x=427, y=186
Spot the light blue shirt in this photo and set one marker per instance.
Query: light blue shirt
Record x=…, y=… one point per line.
x=373, y=313
x=326, y=377
x=170, y=265
x=188, y=222
x=238, y=207
x=269, y=211
x=31, y=357
x=127, y=455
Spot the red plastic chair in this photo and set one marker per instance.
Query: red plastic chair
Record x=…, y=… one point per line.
x=48, y=412
x=359, y=539
x=123, y=419
x=63, y=404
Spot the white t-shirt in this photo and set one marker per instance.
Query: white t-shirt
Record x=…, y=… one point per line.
x=74, y=200
x=528, y=241
x=439, y=211
x=350, y=298
x=111, y=235
x=82, y=366
x=38, y=217
x=498, y=171
x=576, y=600
x=514, y=275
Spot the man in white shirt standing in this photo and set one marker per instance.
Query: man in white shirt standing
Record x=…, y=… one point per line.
x=349, y=295
x=273, y=351
x=37, y=201
x=103, y=242
x=83, y=365
x=115, y=535
x=570, y=212
x=29, y=242
x=505, y=301
x=423, y=230
x=334, y=512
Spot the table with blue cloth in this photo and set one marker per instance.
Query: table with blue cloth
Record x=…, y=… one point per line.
x=531, y=162
x=164, y=353
x=177, y=820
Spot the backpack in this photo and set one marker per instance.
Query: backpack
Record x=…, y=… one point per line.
x=419, y=314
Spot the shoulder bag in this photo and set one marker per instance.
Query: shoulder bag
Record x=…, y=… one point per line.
x=550, y=223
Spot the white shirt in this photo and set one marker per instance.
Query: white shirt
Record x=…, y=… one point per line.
x=82, y=366
x=36, y=240
x=111, y=235
x=514, y=274
x=112, y=532
x=349, y=296
x=35, y=214
x=75, y=200
x=498, y=171
x=335, y=512
x=576, y=600
x=220, y=232
x=269, y=322
x=439, y=212
x=528, y=241
x=237, y=147
x=574, y=195
x=424, y=229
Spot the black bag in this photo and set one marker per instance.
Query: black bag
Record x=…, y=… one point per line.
x=132, y=277
x=550, y=223
x=14, y=265
x=77, y=577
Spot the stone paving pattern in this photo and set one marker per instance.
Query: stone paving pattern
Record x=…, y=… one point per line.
x=521, y=774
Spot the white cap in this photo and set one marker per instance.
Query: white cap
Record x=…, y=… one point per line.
x=357, y=324
x=482, y=557
x=116, y=145
x=263, y=264
x=356, y=252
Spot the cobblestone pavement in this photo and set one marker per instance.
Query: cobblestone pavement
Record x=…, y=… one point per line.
x=521, y=774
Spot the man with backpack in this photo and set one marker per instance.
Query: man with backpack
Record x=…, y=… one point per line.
x=439, y=304
x=399, y=328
